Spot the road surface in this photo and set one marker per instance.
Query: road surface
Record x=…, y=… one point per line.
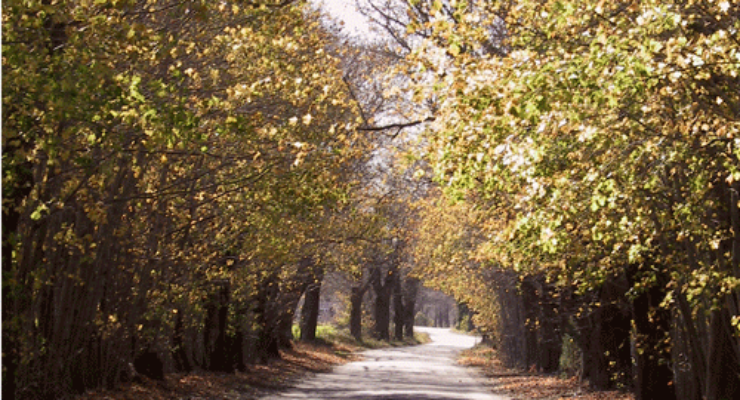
x=426, y=372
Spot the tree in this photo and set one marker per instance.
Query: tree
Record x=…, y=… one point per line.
x=600, y=146
x=163, y=162
x=311, y=306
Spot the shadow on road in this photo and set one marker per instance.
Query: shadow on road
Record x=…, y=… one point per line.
x=426, y=372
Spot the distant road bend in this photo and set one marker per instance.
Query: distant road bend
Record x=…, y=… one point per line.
x=426, y=372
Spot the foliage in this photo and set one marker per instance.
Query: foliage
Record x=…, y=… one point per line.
x=595, y=140
x=157, y=155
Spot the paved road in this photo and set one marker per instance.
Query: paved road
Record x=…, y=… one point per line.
x=425, y=372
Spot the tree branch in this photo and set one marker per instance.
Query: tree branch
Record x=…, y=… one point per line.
x=398, y=126
x=354, y=97
x=281, y=4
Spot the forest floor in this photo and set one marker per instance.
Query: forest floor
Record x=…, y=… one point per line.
x=518, y=384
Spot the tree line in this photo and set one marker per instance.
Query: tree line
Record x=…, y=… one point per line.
x=587, y=157
x=177, y=176
x=169, y=168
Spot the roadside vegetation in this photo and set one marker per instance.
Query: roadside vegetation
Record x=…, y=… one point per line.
x=530, y=384
x=341, y=338
x=257, y=380
x=333, y=346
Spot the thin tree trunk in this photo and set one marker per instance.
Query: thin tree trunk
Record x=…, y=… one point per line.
x=398, y=312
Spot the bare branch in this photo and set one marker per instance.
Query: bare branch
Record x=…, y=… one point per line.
x=356, y=100
x=397, y=126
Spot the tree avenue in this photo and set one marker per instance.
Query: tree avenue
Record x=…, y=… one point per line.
x=596, y=145
x=178, y=174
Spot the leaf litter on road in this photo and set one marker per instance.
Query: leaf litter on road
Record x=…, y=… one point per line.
x=519, y=384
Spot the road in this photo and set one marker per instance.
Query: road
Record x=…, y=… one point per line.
x=426, y=372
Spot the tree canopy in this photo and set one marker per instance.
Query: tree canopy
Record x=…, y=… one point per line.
x=598, y=140
x=176, y=174
x=153, y=152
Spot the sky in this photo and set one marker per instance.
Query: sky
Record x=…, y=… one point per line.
x=345, y=12
x=356, y=26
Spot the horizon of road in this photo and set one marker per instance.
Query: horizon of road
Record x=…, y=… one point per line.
x=424, y=372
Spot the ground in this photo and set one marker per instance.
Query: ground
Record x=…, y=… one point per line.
x=529, y=385
x=421, y=372
x=258, y=381
x=305, y=360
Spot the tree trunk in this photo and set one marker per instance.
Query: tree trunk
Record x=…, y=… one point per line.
x=218, y=358
x=277, y=301
x=285, y=326
x=550, y=341
x=654, y=378
x=464, y=318
x=398, y=312
x=356, y=295
x=383, y=287
x=310, y=312
x=531, y=306
x=412, y=291
x=723, y=358
x=606, y=348
x=592, y=368
x=723, y=381
x=603, y=336
x=267, y=345
x=512, y=326
x=237, y=349
x=690, y=379
x=355, y=313
x=13, y=195
x=178, y=344
x=382, y=313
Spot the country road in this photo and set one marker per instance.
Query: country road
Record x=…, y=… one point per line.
x=426, y=372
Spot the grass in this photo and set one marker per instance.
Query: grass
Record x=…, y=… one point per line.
x=331, y=334
x=322, y=331
x=368, y=342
